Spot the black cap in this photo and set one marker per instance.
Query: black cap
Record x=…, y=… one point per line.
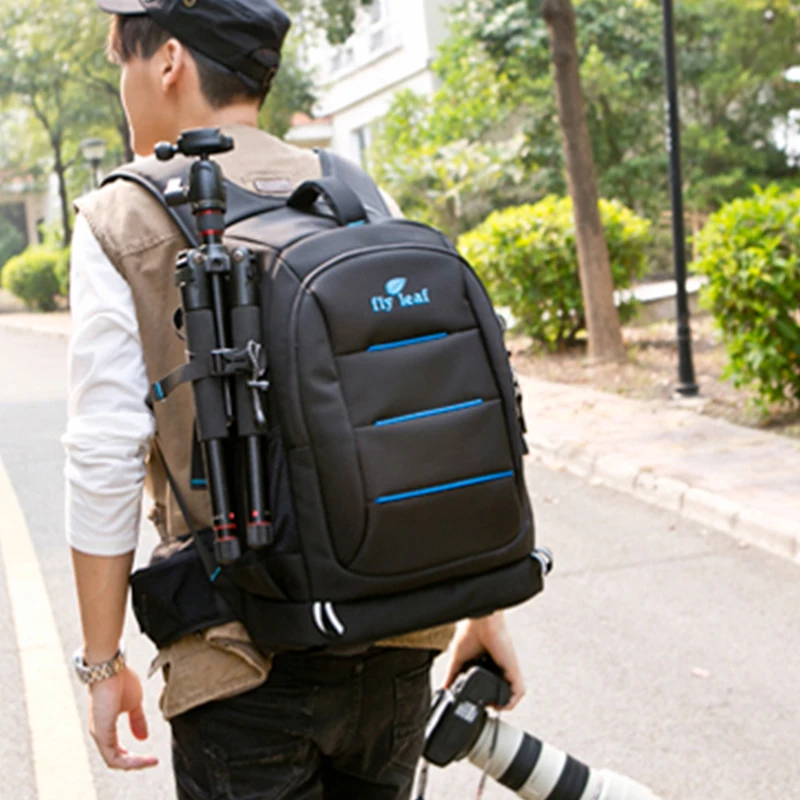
x=245, y=36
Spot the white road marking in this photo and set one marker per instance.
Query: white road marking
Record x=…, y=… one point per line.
x=60, y=758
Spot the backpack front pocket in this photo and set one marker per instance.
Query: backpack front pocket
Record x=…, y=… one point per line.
x=440, y=484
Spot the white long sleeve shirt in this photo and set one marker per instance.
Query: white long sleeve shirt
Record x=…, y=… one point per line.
x=109, y=425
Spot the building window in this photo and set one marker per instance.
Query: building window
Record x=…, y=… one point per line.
x=373, y=36
x=343, y=57
x=378, y=23
x=376, y=39
x=363, y=139
x=375, y=11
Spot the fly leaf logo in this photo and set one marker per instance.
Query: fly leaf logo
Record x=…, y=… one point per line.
x=396, y=297
x=396, y=285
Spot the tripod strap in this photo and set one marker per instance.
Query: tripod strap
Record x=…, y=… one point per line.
x=194, y=370
x=227, y=363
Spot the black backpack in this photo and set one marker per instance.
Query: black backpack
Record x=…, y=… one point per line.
x=395, y=441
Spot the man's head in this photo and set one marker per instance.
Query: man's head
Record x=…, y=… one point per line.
x=193, y=63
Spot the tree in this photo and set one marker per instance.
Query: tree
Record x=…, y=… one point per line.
x=336, y=18
x=496, y=81
x=50, y=65
x=602, y=319
x=292, y=91
x=605, y=337
x=731, y=63
x=451, y=159
x=732, y=60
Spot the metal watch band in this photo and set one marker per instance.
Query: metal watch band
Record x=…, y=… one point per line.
x=93, y=673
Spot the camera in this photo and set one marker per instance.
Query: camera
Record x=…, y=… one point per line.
x=460, y=726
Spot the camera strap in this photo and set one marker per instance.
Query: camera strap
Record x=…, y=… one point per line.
x=482, y=784
x=422, y=780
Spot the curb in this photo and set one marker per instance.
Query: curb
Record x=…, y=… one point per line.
x=23, y=322
x=777, y=535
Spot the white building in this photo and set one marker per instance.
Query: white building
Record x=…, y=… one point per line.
x=393, y=47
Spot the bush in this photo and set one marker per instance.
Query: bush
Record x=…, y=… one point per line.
x=12, y=241
x=750, y=252
x=528, y=259
x=62, y=272
x=31, y=276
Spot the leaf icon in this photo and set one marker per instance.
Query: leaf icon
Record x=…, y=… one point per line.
x=396, y=285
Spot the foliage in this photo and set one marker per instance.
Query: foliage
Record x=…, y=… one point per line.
x=12, y=241
x=57, y=88
x=750, y=252
x=336, y=18
x=496, y=82
x=54, y=73
x=450, y=159
x=291, y=91
x=32, y=276
x=527, y=257
x=62, y=270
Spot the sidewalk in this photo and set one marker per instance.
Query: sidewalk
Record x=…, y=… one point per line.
x=736, y=480
x=14, y=315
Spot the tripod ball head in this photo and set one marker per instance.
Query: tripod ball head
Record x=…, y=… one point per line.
x=201, y=142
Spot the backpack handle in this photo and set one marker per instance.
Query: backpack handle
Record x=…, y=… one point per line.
x=347, y=208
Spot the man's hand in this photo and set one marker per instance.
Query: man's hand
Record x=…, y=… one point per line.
x=487, y=635
x=108, y=699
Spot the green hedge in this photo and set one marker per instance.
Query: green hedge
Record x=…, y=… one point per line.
x=750, y=252
x=527, y=257
x=12, y=241
x=33, y=276
x=62, y=272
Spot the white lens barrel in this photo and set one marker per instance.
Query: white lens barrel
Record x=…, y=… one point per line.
x=614, y=786
x=537, y=771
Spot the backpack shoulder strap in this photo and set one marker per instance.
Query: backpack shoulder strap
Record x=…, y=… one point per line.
x=156, y=176
x=356, y=179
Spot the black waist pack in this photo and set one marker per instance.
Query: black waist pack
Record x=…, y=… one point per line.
x=394, y=446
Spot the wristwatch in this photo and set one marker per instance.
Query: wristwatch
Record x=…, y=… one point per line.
x=93, y=673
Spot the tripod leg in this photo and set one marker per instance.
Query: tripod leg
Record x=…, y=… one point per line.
x=246, y=330
x=209, y=400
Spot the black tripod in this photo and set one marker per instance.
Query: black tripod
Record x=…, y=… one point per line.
x=220, y=298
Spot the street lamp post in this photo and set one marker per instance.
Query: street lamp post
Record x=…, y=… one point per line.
x=686, y=380
x=94, y=151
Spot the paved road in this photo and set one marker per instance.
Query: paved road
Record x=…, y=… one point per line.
x=659, y=649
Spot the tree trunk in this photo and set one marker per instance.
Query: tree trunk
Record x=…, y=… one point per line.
x=122, y=127
x=125, y=135
x=60, y=171
x=54, y=134
x=602, y=319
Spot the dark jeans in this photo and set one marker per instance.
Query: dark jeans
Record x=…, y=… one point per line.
x=320, y=728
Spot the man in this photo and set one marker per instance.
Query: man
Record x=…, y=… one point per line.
x=293, y=726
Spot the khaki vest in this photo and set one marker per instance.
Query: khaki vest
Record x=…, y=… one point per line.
x=142, y=242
